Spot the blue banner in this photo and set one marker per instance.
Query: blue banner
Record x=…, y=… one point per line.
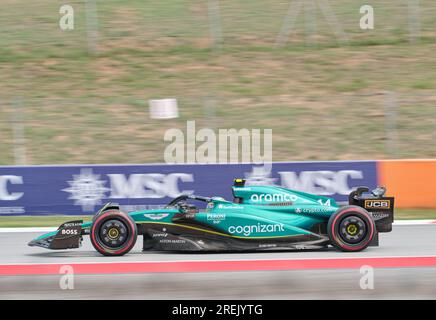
x=82, y=189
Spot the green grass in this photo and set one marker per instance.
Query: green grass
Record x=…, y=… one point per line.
x=39, y=221
x=55, y=221
x=411, y=214
x=80, y=107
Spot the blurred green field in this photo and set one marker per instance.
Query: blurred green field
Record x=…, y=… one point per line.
x=38, y=221
x=324, y=98
x=55, y=221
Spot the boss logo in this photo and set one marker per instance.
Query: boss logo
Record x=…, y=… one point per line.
x=377, y=204
x=70, y=231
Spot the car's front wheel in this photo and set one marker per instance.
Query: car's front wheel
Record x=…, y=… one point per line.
x=113, y=233
x=351, y=228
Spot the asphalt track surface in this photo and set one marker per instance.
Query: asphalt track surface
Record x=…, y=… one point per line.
x=405, y=267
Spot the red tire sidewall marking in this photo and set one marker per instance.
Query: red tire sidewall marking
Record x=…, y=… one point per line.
x=342, y=244
x=101, y=217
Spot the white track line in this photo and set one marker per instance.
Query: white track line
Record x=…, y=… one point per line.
x=27, y=229
x=413, y=222
x=49, y=229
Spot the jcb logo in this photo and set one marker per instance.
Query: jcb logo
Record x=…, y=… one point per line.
x=377, y=204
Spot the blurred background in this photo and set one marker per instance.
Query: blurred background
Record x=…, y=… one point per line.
x=327, y=88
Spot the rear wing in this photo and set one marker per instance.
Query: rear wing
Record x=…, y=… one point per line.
x=380, y=207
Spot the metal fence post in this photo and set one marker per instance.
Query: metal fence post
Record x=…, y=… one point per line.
x=310, y=21
x=92, y=25
x=391, y=110
x=215, y=24
x=329, y=15
x=18, y=133
x=413, y=9
x=309, y=8
x=289, y=22
x=210, y=103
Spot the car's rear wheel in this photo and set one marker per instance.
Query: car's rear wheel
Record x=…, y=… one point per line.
x=113, y=233
x=351, y=228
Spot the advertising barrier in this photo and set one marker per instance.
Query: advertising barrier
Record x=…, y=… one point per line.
x=82, y=189
x=413, y=182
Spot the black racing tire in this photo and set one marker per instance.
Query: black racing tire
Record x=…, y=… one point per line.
x=351, y=229
x=113, y=233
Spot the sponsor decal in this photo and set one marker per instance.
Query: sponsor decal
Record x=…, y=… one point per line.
x=267, y=245
x=379, y=215
x=156, y=216
x=160, y=235
x=274, y=197
x=300, y=247
x=73, y=232
x=216, y=217
x=312, y=210
x=223, y=206
x=12, y=210
x=189, y=215
x=72, y=224
x=172, y=241
x=257, y=228
x=377, y=204
x=241, y=189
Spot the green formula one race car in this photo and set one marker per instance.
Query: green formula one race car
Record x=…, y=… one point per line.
x=258, y=218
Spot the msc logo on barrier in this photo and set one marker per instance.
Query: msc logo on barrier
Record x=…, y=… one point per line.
x=88, y=189
x=5, y=195
x=321, y=182
x=378, y=204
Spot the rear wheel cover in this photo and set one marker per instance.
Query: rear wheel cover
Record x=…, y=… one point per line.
x=113, y=233
x=351, y=229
